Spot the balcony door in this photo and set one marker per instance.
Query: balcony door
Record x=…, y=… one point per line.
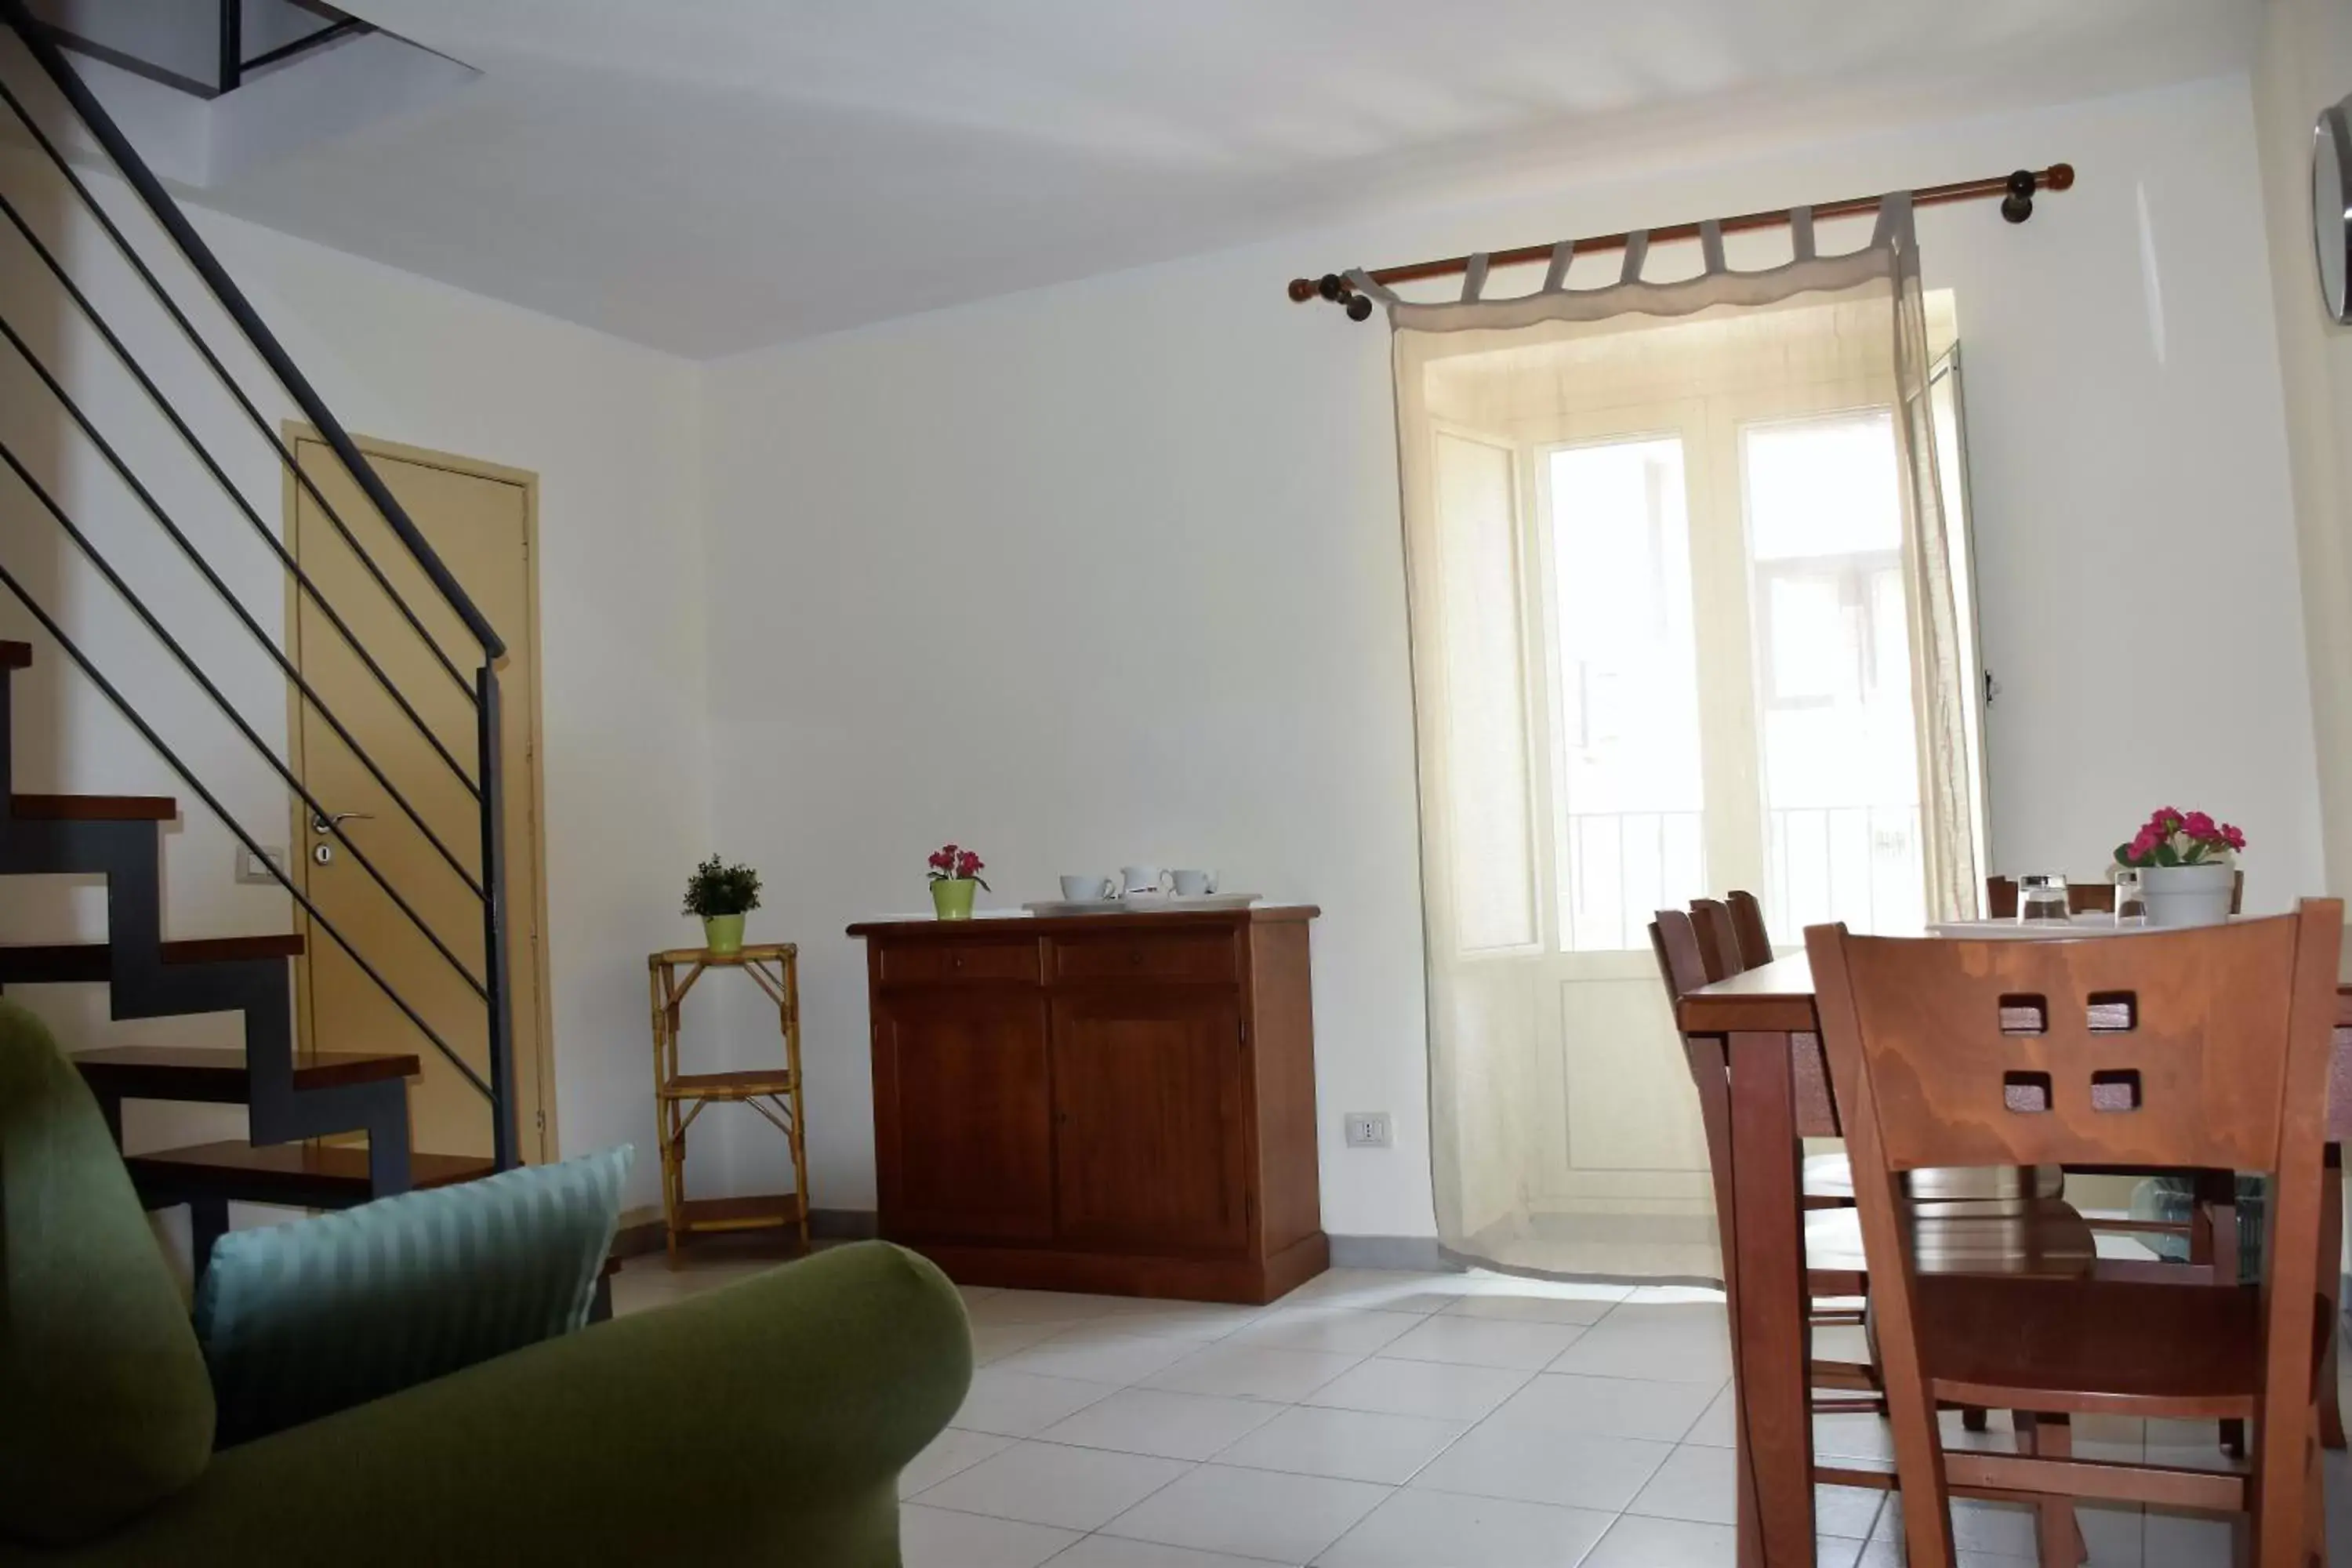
x=1678, y=659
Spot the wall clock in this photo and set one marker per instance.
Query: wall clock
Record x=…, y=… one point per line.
x=2331, y=206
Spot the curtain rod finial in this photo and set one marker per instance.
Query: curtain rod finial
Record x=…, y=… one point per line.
x=2060, y=177
x=1301, y=291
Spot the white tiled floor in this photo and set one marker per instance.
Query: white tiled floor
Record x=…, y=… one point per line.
x=1376, y=1420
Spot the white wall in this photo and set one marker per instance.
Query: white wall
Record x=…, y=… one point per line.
x=610, y=429
x=1110, y=571
x=2305, y=64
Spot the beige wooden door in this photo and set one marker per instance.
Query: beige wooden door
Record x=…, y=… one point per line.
x=478, y=520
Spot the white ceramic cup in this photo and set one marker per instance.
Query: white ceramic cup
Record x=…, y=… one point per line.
x=1194, y=884
x=1142, y=881
x=1087, y=890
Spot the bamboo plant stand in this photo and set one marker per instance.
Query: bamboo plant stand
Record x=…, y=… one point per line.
x=774, y=1092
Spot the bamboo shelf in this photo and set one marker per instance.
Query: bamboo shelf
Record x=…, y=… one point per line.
x=680, y=1097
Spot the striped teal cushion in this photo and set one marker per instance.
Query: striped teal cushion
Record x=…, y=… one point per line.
x=304, y=1320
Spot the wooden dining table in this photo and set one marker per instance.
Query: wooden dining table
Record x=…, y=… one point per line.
x=1780, y=1093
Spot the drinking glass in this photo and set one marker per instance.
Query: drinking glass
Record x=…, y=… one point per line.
x=2131, y=898
x=2042, y=899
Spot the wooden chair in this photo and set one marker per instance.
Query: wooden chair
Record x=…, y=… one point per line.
x=1966, y=1228
x=2212, y=1227
x=2032, y=1235
x=1990, y=1053
x=1690, y=954
x=1732, y=938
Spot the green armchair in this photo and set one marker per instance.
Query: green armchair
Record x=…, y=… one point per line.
x=765, y=1422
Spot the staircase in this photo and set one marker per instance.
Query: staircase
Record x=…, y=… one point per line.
x=119, y=838
x=295, y=1097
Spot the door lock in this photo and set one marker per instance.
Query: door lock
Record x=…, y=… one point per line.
x=323, y=854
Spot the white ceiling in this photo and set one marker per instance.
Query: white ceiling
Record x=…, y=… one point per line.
x=714, y=175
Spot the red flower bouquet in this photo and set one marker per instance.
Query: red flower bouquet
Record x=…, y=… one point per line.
x=953, y=863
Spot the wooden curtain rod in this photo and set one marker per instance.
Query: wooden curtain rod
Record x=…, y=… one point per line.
x=2016, y=192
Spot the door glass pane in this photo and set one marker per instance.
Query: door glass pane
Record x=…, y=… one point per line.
x=1491, y=834
x=1630, y=796
x=1833, y=647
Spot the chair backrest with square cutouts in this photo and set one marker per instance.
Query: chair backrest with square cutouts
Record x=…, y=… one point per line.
x=2208, y=1047
x=2181, y=1047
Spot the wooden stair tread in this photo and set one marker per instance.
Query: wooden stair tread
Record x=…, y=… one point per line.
x=16, y=655
x=58, y=964
x=196, y=1073
x=320, y=1174
x=728, y=1085
x=93, y=807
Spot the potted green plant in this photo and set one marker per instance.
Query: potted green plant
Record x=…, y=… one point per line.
x=954, y=873
x=722, y=895
x=2187, y=867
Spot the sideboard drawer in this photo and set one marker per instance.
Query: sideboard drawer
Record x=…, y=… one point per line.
x=933, y=961
x=1156, y=956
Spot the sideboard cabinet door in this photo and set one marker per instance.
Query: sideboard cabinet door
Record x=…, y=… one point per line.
x=1149, y=1110
x=963, y=1111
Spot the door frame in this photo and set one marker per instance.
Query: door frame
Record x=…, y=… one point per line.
x=547, y=1145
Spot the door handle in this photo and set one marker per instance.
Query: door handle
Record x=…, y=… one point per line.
x=323, y=823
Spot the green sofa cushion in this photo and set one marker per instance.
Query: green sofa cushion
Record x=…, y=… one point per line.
x=300, y=1320
x=107, y=1407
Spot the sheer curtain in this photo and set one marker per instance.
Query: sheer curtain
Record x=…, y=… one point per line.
x=1683, y=620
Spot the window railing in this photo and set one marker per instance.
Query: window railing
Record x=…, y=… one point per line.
x=1622, y=866
x=1861, y=864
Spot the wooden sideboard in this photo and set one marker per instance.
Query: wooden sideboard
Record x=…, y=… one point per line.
x=1116, y=1103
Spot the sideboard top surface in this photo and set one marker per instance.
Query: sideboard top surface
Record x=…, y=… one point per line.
x=998, y=924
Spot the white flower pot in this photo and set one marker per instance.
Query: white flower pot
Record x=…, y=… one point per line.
x=2189, y=895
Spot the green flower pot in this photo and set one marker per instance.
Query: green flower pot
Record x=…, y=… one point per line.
x=951, y=897
x=722, y=933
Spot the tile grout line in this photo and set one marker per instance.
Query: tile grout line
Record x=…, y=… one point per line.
x=1189, y=1467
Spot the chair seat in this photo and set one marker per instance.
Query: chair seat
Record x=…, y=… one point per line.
x=2004, y=1237
x=2087, y=1345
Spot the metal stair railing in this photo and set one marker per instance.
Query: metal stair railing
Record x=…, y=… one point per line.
x=483, y=782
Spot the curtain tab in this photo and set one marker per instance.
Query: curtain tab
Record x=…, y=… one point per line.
x=1894, y=219
x=1555, y=278
x=1370, y=287
x=1637, y=251
x=1710, y=245
x=1800, y=233
x=1473, y=278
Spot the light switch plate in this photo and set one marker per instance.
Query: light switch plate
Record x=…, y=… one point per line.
x=1367, y=1129
x=250, y=869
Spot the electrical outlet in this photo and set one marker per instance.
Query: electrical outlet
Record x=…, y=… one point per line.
x=1367, y=1128
x=251, y=867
